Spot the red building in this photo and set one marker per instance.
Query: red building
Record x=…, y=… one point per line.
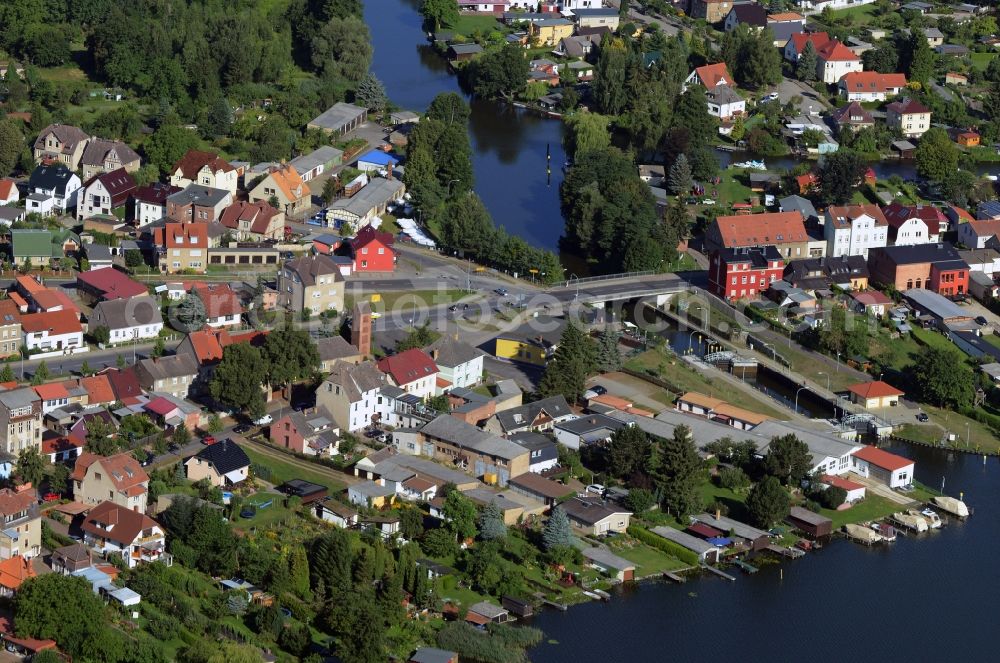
x=744, y=273
x=373, y=251
x=949, y=278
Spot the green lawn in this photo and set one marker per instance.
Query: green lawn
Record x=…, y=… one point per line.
x=275, y=513
x=736, y=502
x=730, y=189
x=982, y=60
x=467, y=24
x=282, y=471
x=872, y=508
x=648, y=560
x=856, y=15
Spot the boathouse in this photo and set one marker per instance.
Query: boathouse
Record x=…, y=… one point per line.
x=609, y=563
x=705, y=551
x=811, y=523
x=756, y=539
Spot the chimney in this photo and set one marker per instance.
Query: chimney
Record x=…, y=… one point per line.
x=718, y=514
x=361, y=329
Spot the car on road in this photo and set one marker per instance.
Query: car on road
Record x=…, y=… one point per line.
x=51, y=497
x=241, y=429
x=208, y=439
x=148, y=460
x=453, y=308
x=922, y=417
x=768, y=98
x=599, y=390
x=981, y=320
x=501, y=291
x=263, y=421
x=597, y=489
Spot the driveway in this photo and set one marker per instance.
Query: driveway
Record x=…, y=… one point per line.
x=810, y=103
x=630, y=388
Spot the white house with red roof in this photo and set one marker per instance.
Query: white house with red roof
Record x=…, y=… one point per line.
x=975, y=234
x=834, y=61
x=871, y=302
x=890, y=469
x=797, y=43
x=870, y=85
x=55, y=331
x=8, y=192
x=911, y=117
x=915, y=224
x=875, y=394
x=710, y=75
x=412, y=370
x=222, y=304
x=111, y=528
x=104, y=192
x=54, y=395
x=855, y=491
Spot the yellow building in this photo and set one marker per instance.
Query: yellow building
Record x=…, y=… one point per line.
x=535, y=351
x=550, y=31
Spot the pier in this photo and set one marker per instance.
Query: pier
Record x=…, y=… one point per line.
x=792, y=553
x=721, y=574
x=747, y=568
x=674, y=577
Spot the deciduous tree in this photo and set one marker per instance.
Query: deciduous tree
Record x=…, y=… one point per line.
x=238, y=378
x=768, y=503
x=788, y=459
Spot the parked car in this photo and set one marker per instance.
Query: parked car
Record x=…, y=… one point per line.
x=263, y=421
x=241, y=429
x=922, y=417
x=597, y=489
x=981, y=320
x=501, y=291
x=599, y=390
x=208, y=439
x=768, y=98
x=51, y=497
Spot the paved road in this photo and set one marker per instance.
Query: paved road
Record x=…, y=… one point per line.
x=811, y=102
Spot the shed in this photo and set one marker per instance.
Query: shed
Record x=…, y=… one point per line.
x=757, y=539
x=609, y=563
x=904, y=148
x=706, y=551
x=307, y=490
x=813, y=524
x=488, y=611
x=704, y=531
x=518, y=606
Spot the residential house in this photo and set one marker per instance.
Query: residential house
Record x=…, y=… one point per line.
x=412, y=370
x=578, y=432
x=104, y=193
x=537, y=487
x=596, y=517
x=888, y=468
x=53, y=331
x=198, y=203
x=20, y=420
x=544, y=454
x=853, y=116
x=61, y=449
x=72, y=558
x=784, y=231
x=550, y=31
x=459, y=364
x=874, y=395
x=977, y=234
x=954, y=78
x=182, y=247
x=803, y=206
x=332, y=511
x=537, y=416
x=31, y=246
x=13, y=572
x=596, y=17
x=985, y=261
x=10, y=329
x=111, y=528
x=834, y=61
x=98, y=255
x=373, y=251
x=578, y=46
x=363, y=207
x=312, y=165
x=99, y=285
x=341, y=118
x=871, y=302
x=936, y=267
x=311, y=282
x=489, y=457
x=724, y=102
x=852, y=230
x=207, y=345
x=909, y=117
x=283, y=184
x=707, y=552
x=871, y=85
x=62, y=143
x=968, y=138
x=52, y=189
x=988, y=210
x=351, y=394
x=205, y=169
x=744, y=273
x=709, y=76
x=173, y=374
x=335, y=348
x=749, y=14
x=712, y=11
x=133, y=319
x=372, y=495
x=54, y=395
x=150, y=202
x=223, y=464
x=222, y=304
x=784, y=25
x=797, y=43
x=20, y=523
x=253, y=222
x=106, y=156
x=118, y=479
x=915, y=224
x=311, y=434
x=8, y=192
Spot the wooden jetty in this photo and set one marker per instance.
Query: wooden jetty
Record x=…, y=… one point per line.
x=747, y=568
x=793, y=553
x=552, y=604
x=721, y=574
x=674, y=577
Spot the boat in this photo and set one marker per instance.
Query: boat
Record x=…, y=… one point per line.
x=862, y=534
x=887, y=531
x=915, y=523
x=951, y=505
x=804, y=544
x=930, y=515
x=752, y=165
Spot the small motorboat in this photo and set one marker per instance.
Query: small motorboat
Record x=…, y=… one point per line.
x=930, y=515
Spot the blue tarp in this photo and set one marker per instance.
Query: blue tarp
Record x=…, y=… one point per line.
x=719, y=541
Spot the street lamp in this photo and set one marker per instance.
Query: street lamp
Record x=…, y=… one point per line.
x=827, y=379
x=838, y=362
x=574, y=277
x=691, y=336
x=797, y=399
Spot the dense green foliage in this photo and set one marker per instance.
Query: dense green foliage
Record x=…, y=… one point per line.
x=677, y=471
x=937, y=379
x=768, y=503
x=665, y=545
x=238, y=378
x=788, y=459
x=574, y=360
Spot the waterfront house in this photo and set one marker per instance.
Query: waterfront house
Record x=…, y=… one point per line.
x=909, y=117
x=707, y=553
x=875, y=394
x=595, y=516
x=813, y=524
x=610, y=564
x=756, y=539
x=745, y=272
x=882, y=466
x=482, y=613
x=855, y=491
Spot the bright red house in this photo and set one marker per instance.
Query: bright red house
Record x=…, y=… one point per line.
x=373, y=251
x=744, y=273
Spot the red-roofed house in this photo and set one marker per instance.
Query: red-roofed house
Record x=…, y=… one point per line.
x=873, y=463
x=207, y=345
x=783, y=230
x=710, y=75
x=98, y=388
x=111, y=528
x=834, y=61
x=182, y=247
x=205, y=168
x=915, y=224
x=117, y=478
x=13, y=572
x=912, y=118
x=855, y=491
x=871, y=302
x=54, y=395
x=61, y=449
x=798, y=41
x=411, y=370
x=253, y=222
x=871, y=85
x=48, y=332
x=125, y=384
x=875, y=394
x=8, y=192
x=107, y=284
x=373, y=250
x=222, y=304
x=103, y=193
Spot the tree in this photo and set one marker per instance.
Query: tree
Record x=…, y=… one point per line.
x=639, y=500
x=417, y=338
x=941, y=378
x=587, y=131
x=180, y=436
x=133, y=259
x=677, y=473
x=331, y=189
x=460, y=515
x=499, y=74
x=609, y=357
x=840, y=175
x=64, y=608
x=574, y=360
x=168, y=144
x=788, y=459
x=238, y=378
x=628, y=451
x=189, y=314
x=438, y=542
x=557, y=532
x=219, y=118
x=883, y=59
x=733, y=478
x=330, y=563
x=991, y=101
x=289, y=354
x=805, y=69
x=831, y=497
x=11, y=143
x=411, y=523
x=59, y=479
x=610, y=76
x=6, y=373
x=768, y=503
x=921, y=59
x=100, y=438
x=936, y=155
x=341, y=48
x=491, y=525
x=41, y=374
x=679, y=178
x=371, y=93
x=439, y=13
x=101, y=334
x=85, y=369
x=362, y=641
x=31, y=466
x=158, y=348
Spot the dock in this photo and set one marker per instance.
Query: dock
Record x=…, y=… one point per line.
x=792, y=553
x=552, y=604
x=747, y=568
x=721, y=574
x=674, y=577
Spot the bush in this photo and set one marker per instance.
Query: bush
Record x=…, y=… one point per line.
x=733, y=478
x=721, y=507
x=658, y=542
x=832, y=497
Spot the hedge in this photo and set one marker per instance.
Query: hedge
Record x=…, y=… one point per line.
x=665, y=545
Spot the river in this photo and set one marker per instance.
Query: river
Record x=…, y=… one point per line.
x=508, y=145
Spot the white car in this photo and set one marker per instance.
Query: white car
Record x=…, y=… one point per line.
x=769, y=98
x=263, y=421
x=597, y=489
